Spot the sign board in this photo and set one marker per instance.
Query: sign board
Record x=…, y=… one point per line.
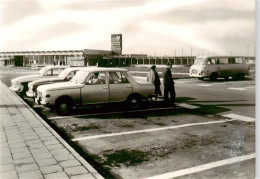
x=116, y=43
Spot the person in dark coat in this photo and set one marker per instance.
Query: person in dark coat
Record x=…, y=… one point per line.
x=168, y=84
x=157, y=82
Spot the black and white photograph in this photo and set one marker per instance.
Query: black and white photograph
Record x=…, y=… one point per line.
x=128, y=89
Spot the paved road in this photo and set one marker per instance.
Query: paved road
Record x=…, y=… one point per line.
x=212, y=127
x=210, y=135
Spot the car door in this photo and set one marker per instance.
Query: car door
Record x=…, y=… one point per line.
x=95, y=92
x=119, y=87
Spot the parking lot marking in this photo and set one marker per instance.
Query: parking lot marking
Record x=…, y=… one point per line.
x=185, y=105
x=239, y=89
x=120, y=112
x=204, y=85
x=239, y=117
x=150, y=130
x=203, y=167
x=250, y=87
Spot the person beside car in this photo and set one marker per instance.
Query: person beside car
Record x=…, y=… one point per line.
x=154, y=78
x=168, y=84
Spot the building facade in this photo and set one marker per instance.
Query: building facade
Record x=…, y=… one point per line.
x=92, y=57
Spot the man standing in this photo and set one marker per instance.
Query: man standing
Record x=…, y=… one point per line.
x=168, y=84
x=154, y=78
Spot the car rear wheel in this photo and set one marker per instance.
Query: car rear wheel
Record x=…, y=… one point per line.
x=213, y=76
x=64, y=106
x=239, y=76
x=133, y=102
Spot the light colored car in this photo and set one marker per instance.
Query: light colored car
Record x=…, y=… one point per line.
x=66, y=75
x=94, y=85
x=214, y=67
x=20, y=84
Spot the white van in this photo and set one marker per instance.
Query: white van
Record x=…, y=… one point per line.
x=214, y=67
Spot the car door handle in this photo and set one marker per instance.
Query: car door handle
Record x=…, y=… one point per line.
x=105, y=87
x=128, y=86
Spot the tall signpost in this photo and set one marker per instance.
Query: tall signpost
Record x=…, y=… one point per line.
x=116, y=44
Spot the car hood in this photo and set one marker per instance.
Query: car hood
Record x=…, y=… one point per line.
x=197, y=67
x=26, y=78
x=45, y=80
x=59, y=86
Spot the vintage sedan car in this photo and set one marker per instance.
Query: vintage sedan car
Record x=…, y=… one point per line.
x=20, y=84
x=65, y=75
x=92, y=86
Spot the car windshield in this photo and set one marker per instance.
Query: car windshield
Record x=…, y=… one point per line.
x=80, y=77
x=64, y=73
x=200, y=61
x=43, y=70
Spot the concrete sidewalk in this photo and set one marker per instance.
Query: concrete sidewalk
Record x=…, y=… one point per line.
x=31, y=149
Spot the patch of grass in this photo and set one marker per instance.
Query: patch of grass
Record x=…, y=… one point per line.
x=189, y=143
x=126, y=157
x=160, y=124
x=127, y=126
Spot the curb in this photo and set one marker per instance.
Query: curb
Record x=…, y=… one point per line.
x=63, y=142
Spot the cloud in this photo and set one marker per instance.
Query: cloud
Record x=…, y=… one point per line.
x=150, y=27
x=14, y=11
x=101, y=5
x=191, y=15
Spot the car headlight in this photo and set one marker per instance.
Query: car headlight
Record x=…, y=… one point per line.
x=45, y=94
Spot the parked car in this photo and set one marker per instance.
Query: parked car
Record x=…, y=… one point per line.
x=214, y=67
x=65, y=75
x=92, y=86
x=20, y=84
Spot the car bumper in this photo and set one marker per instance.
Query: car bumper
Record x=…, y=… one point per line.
x=30, y=94
x=198, y=75
x=16, y=89
x=40, y=101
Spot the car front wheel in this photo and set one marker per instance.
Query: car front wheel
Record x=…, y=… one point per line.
x=64, y=106
x=213, y=76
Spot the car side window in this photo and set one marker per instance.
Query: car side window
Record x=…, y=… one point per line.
x=49, y=72
x=211, y=61
x=223, y=61
x=231, y=61
x=71, y=74
x=56, y=71
x=239, y=60
x=117, y=77
x=97, y=78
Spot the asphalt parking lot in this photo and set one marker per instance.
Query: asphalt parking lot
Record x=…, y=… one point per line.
x=211, y=134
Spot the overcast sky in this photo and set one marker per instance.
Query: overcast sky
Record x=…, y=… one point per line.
x=153, y=27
